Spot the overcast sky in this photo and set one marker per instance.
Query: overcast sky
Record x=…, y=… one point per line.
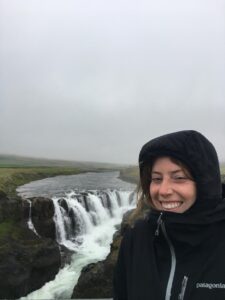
x=94, y=80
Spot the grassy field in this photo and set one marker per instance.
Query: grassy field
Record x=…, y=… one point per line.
x=8, y=161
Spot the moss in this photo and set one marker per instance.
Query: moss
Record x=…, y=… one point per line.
x=12, y=232
x=12, y=229
x=6, y=228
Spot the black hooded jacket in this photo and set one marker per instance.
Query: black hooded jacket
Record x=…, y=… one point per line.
x=171, y=256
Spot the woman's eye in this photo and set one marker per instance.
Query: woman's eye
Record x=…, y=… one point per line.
x=180, y=178
x=156, y=179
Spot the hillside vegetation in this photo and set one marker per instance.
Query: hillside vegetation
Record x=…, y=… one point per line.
x=21, y=161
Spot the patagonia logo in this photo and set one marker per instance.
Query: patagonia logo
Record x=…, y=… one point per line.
x=210, y=285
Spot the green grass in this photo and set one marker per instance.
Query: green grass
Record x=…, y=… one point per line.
x=8, y=229
x=11, y=233
x=5, y=228
x=8, y=161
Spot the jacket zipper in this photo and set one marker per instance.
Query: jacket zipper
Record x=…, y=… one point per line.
x=183, y=288
x=160, y=223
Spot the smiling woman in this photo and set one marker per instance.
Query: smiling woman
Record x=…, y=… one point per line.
x=172, y=187
x=177, y=251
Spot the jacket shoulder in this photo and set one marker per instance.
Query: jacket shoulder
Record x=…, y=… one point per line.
x=140, y=228
x=141, y=224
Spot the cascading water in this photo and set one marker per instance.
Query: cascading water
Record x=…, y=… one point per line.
x=85, y=222
x=29, y=222
x=76, y=221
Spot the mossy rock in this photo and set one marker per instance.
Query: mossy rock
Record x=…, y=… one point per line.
x=26, y=261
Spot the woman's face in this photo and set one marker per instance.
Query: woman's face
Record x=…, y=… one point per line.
x=171, y=187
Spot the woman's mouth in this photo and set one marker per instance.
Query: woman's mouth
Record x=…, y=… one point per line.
x=170, y=205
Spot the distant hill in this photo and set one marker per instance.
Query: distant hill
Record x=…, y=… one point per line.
x=23, y=161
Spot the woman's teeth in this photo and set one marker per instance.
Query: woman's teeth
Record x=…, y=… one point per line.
x=171, y=205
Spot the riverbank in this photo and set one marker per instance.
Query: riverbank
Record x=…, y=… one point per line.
x=11, y=178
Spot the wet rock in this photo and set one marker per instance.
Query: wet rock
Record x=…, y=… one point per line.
x=26, y=262
x=9, y=208
x=85, y=201
x=64, y=204
x=118, y=198
x=42, y=214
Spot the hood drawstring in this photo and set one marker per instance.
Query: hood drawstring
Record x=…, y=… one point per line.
x=159, y=222
x=183, y=288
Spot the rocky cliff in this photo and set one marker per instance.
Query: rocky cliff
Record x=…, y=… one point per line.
x=42, y=214
x=26, y=260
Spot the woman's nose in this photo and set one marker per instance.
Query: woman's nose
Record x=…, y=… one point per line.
x=165, y=188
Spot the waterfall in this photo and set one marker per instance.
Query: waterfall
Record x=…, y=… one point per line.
x=85, y=211
x=29, y=222
x=96, y=206
x=85, y=223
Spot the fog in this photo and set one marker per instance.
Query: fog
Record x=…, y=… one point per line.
x=93, y=80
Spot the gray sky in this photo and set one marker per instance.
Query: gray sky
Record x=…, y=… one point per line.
x=95, y=79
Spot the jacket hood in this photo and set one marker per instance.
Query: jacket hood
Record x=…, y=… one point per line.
x=199, y=155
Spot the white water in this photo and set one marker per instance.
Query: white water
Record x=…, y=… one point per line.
x=96, y=221
x=29, y=222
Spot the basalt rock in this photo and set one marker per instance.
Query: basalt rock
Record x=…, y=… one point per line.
x=42, y=213
x=26, y=264
x=9, y=208
x=27, y=261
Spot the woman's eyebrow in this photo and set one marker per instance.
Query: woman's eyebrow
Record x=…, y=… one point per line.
x=172, y=172
x=177, y=171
